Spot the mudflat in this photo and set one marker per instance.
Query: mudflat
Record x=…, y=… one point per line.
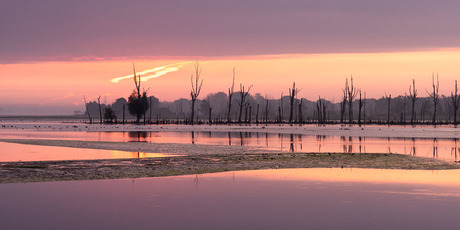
x=40, y=171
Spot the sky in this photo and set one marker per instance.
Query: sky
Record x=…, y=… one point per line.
x=52, y=53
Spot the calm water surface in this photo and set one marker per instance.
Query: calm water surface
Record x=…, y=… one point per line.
x=446, y=149
x=265, y=199
x=11, y=152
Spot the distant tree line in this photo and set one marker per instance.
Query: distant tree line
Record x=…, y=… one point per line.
x=243, y=108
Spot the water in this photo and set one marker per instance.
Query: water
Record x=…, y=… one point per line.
x=11, y=152
x=440, y=148
x=265, y=199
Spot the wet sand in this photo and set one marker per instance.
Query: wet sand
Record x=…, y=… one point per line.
x=40, y=171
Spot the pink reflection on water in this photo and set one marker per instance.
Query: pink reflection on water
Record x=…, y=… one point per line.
x=446, y=149
x=265, y=199
x=11, y=152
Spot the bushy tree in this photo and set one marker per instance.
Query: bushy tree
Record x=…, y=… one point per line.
x=109, y=115
x=137, y=102
x=137, y=106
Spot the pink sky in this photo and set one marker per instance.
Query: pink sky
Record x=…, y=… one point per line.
x=53, y=53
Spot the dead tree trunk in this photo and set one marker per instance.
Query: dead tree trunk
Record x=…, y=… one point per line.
x=250, y=114
x=455, y=102
x=230, y=95
x=300, y=112
x=351, y=94
x=413, y=98
x=196, y=89
x=279, y=114
x=388, y=107
x=266, y=111
x=210, y=115
x=343, y=104
x=360, y=107
x=435, y=96
x=124, y=109
x=100, y=109
x=292, y=96
x=87, y=111
x=257, y=114
x=242, y=101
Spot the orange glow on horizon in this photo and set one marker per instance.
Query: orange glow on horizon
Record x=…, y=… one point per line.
x=429, y=177
x=317, y=74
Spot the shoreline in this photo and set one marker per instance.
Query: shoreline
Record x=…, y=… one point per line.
x=47, y=171
x=314, y=130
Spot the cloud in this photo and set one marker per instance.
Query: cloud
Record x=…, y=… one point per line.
x=154, y=72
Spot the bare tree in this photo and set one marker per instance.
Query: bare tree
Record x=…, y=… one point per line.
x=435, y=96
x=388, y=97
x=242, y=101
x=124, y=108
x=351, y=94
x=343, y=104
x=292, y=96
x=300, y=118
x=422, y=110
x=267, y=109
x=281, y=114
x=196, y=89
x=87, y=111
x=360, y=107
x=413, y=98
x=257, y=113
x=230, y=95
x=455, y=101
x=100, y=109
x=321, y=110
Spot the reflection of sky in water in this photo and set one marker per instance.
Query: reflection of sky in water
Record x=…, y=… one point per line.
x=265, y=199
x=447, y=149
x=18, y=152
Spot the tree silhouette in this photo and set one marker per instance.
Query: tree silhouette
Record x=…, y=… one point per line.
x=388, y=97
x=292, y=97
x=109, y=115
x=360, y=106
x=351, y=94
x=87, y=111
x=196, y=89
x=455, y=101
x=413, y=98
x=230, y=95
x=242, y=102
x=137, y=102
x=343, y=103
x=100, y=109
x=435, y=96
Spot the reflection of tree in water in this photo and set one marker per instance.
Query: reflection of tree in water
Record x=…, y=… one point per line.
x=300, y=141
x=137, y=136
x=319, y=141
x=350, y=144
x=454, y=150
x=229, y=138
x=266, y=139
x=291, y=142
x=435, y=148
x=347, y=144
x=193, y=137
x=389, y=145
x=280, y=136
x=196, y=180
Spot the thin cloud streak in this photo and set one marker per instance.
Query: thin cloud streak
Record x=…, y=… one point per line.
x=157, y=72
